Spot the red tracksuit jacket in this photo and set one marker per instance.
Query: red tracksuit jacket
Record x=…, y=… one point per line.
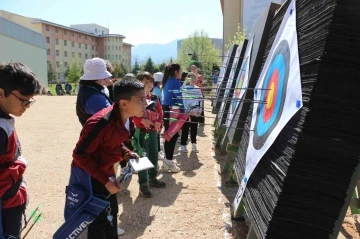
x=12, y=166
x=150, y=115
x=100, y=144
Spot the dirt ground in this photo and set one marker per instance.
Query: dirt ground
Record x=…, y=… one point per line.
x=195, y=203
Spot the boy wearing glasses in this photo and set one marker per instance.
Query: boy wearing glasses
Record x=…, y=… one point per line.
x=18, y=85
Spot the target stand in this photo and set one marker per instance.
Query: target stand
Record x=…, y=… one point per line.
x=231, y=140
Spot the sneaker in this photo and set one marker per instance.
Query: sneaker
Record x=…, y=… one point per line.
x=156, y=183
x=120, y=231
x=183, y=149
x=169, y=165
x=194, y=148
x=144, y=191
x=161, y=155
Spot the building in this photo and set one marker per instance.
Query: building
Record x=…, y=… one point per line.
x=216, y=41
x=243, y=12
x=21, y=44
x=75, y=44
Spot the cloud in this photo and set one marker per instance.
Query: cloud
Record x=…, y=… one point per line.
x=149, y=35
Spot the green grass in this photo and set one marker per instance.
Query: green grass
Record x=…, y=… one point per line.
x=51, y=88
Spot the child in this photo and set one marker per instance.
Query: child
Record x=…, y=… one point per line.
x=191, y=90
x=92, y=94
x=171, y=97
x=100, y=147
x=158, y=76
x=150, y=125
x=17, y=87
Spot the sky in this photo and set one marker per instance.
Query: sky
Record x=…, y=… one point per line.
x=140, y=21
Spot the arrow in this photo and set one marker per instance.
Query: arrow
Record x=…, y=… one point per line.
x=36, y=220
x=215, y=88
x=173, y=112
x=176, y=120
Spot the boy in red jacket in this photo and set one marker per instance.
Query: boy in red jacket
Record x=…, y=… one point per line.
x=17, y=87
x=150, y=125
x=101, y=146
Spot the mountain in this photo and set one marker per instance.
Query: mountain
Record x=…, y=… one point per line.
x=158, y=52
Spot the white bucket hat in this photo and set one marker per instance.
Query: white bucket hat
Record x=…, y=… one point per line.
x=95, y=69
x=158, y=76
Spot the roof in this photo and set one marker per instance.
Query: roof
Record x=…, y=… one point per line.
x=128, y=44
x=37, y=20
x=20, y=33
x=111, y=35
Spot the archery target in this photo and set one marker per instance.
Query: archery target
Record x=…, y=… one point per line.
x=276, y=79
x=240, y=82
x=274, y=108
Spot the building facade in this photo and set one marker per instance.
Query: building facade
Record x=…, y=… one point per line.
x=243, y=12
x=76, y=44
x=21, y=44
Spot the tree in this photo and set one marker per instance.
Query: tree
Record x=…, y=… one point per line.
x=51, y=73
x=67, y=72
x=149, y=65
x=162, y=67
x=117, y=70
x=136, y=68
x=74, y=73
x=238, y=38
x=198, y=47
x=123, y=70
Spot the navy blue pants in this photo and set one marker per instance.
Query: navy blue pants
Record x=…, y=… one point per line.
x=11, y=220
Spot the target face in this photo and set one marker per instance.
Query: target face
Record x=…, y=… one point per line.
x=240, y=83
x=276, y=80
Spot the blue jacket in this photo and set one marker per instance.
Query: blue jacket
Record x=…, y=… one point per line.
x=171, y=95
x=157, y=91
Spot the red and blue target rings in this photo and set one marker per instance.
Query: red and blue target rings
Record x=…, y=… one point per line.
x=272, y=100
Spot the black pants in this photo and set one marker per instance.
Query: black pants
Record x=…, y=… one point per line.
x=11, y=220
x=169, y=147
x=159, y=149
x=101, y=227
x=193, y=130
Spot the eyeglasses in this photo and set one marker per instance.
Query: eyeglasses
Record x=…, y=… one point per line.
x=25, y=102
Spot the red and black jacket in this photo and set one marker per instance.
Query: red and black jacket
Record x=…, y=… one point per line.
x=12, y=166
x=101, y=144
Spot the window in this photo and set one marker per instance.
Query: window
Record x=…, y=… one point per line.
x=56, y=30
x=72, y=34
x=65, y=42
x=57, y=52
x=92, y=56
x=108, y=48
x=86, y=56
x=116, y=47
x=95, y=30
x=96, y=56
x=105, y=57
x=85, y=37
x=79, y=55
x=102, y=32
x=112, y=57
x=65, y=64
x=73, y=54
x=79, y=45
x=79, y=35
x=48, y=52
x=58, y=74
x=65, y=32
x=57, y=41
x=73, y=44
x=116, y=57
x=85, y=46
x=116, y=39
x=47, y=27
x=112, y=47
x=105, y=48
x=92, y=47
x=57, y=64
x=65, y=53
x=109, y=57
x=47, y=39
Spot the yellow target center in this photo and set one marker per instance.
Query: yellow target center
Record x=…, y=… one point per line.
x=270, y=96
